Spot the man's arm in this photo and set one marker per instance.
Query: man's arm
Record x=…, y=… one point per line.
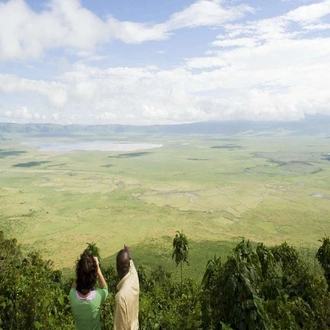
x=132, y=266
x=126, y=248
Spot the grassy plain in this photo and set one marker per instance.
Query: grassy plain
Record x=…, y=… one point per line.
x=216, y=189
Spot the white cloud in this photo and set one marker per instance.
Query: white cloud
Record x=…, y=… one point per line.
x=206, y=13
x=89, y=57
x=139, y=95
x=135, y=33
x=281, y=79
x=309, y=13
x=107, y=116
x=266, y=69
x=23, y=115
x=263, y=69
x=25, y=34
x=260, y=31
x=238, y=42
x=130, y=116
x=316, y=27
x=54, y=92
x=55, y=116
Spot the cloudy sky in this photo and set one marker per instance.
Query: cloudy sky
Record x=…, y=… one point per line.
x=147, y=62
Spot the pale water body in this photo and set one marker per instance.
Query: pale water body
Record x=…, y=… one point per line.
x=91, y=146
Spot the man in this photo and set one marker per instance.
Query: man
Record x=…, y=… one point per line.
x=127, y=298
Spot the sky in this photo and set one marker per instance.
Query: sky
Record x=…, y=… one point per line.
x=147, y=62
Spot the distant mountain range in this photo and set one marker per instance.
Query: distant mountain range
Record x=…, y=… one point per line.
x=310, y=125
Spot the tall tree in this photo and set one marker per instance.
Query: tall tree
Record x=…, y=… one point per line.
x=323, y=256
x=180, y=250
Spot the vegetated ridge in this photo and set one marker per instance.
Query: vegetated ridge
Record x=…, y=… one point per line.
x=311, y=124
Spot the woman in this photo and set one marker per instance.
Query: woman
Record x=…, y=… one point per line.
x=85, y=301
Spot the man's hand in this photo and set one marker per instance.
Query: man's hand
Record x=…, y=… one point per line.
x=126, y=248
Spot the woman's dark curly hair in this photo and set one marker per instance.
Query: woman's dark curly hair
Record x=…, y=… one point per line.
x=86, y=272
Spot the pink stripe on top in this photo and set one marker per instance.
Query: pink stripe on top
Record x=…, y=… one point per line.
x=89, y=297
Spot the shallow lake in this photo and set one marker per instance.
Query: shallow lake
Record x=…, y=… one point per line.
x=91, y=145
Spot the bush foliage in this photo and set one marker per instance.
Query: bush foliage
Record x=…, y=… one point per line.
x=257, y=287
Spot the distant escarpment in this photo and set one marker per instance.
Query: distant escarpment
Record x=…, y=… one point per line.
x=310, y=125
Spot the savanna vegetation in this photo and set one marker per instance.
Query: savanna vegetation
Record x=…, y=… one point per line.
x=214, y=190
x=256, y=287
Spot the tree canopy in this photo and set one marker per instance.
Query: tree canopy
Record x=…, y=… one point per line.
x=257, y=287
